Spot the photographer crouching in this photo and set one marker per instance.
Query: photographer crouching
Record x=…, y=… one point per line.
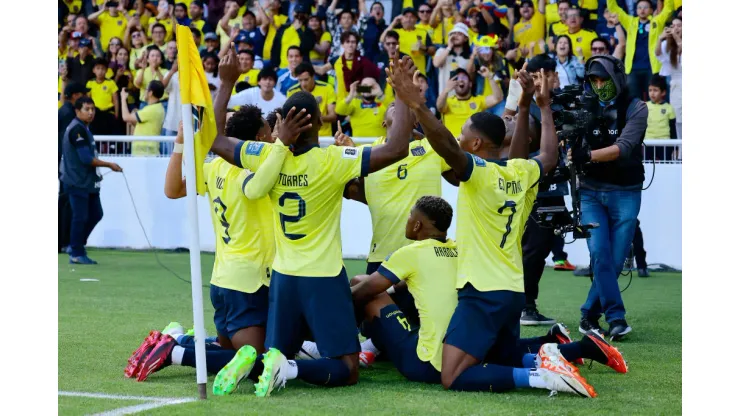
x=610, y=177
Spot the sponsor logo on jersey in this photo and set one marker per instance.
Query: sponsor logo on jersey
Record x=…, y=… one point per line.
x=350, y=153
x=254, y=148
x=418, y=151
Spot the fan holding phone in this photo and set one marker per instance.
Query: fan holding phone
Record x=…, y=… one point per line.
x=366, y=105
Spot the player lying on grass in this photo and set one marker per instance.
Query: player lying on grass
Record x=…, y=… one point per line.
x=309, y=289
x=244, y=251
x=429, y=267
x=494, y=200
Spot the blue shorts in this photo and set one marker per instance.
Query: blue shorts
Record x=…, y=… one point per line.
x=402, y=298
x=235, y=310
x=318, y=308
x=393, y=334
x=372, y=267
x=486, y=325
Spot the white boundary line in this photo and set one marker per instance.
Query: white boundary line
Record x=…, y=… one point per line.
x=152, y=402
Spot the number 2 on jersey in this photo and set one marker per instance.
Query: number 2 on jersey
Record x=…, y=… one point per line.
x=292, y=218
x=219, y=204
x=512, y=205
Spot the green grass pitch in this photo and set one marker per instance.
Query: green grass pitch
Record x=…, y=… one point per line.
x=101, y=323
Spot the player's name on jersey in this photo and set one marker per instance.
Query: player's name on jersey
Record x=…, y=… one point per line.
x=510, y=187
x=445, y=252
x=293, y=180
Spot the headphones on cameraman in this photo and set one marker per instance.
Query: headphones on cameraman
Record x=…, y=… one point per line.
x=620, y=77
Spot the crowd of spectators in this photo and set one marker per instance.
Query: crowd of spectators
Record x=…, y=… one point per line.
x=123, y=52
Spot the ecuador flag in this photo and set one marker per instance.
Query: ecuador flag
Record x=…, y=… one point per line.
x=194, y=91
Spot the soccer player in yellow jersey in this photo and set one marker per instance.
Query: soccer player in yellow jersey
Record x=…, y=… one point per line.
x=309, y=289
x=429, y=268
x=494, y=201
x=324, y=94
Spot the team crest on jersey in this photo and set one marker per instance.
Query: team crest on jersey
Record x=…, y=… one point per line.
x=254, y=148
x=473, y=106
x=120, y=23
x=105, y=88
x=350, y=153
x=318, y=99
x=478, y=161
x=418, y=151
x=579, y=39
x=655, y=25
x=662, y=111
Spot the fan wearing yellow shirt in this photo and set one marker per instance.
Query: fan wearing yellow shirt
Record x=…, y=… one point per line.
x=559, y=27
x=580, y=38
x=270, y=26
x=245, y=248
x=413, y=41
x=103, y=92
x=429, y=267
x=246, y=65
x=494, y=202
x=112, y=22
x=457, y=109
x=164, y=17
x=148, y=120
x=309, y=289
x=530, y=31
x=367, y=112
x=324, y=94
x=152, y=72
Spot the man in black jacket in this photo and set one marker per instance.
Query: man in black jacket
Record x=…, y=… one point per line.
x=72, y=92
x=611, y=189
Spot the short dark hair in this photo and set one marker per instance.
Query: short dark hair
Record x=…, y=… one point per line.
x=248, y=52
x=346, y=35
x=437, y=210
x=272, y=117
x=157, y=89
x=82, y=101
x=156, y=25
x=378, y=3
x=490, y=126
x=249, y=13
x=196, y=32
x=392, y=34
x=154, y=48
x=100, y=61
x=294, y=48
x=602, y=40
x=565, y=1
x=659, y=82
x=241, y=86
x=267, y=72
x=351, y=13
x=641, y=1
x=541, y=61
x=303, y=100
x=305, y=67
x=245, y=123
x=183, y=5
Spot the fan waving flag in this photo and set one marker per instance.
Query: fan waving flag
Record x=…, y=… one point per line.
x=194, y=91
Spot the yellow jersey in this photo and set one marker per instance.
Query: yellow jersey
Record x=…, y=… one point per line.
x=250, y=77
x=551, y=13
x=442, y=31
x=429, y=268
x=74, y=6
x=245, y=239
x=134, y=56
x=103, y=93
x=531, y=31
x=407, y=40
x=659, y=118
x=558, y=28
x=148, y=77
x=366, y=119
x=143, y=19
x=307, y=203
x=278, y=21
x=493, y=204
x=325, y=96
x=392, y=191
x=459, y=111
x=166, y=22
x=290, y=38
x=428, y=28
x=111, y=27
x=315, y=56
x=149, y=122
x=582, y=39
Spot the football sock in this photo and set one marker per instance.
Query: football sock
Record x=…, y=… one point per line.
x=325, y=371
x=310, y=348
x=528, y=361
x=368, y=345
x=535, y=379
x=215, y=359
x=258, y=368
x=189, y=340
x=485, y=377
x=584, y=348
x=532, y=345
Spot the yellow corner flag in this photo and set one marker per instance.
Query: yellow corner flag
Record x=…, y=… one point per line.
x=194, y=91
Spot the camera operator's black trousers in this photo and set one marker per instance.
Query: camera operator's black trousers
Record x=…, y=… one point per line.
x=537, y=242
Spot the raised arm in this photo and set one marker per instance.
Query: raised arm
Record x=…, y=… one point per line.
x=126, y=115
x=408, y=93
x=174, y=183
x=548, y=156
x=94, y=18
x=497, y=95
x=624, y=17
x=621, y=47
x=541, y=6
x=228, y=72
x=665, y=14
x=519, y=148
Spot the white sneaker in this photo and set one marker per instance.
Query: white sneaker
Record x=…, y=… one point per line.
x=561, y=376
x=309, y=351
x=550, y=355
x=274, y=374
x=367, y=359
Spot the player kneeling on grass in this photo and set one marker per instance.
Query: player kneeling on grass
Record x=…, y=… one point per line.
x=242, y=220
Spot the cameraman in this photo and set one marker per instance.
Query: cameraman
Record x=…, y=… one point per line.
x=538, y=241
x=611, y=187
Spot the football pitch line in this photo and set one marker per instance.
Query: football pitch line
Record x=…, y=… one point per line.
x=152, y=402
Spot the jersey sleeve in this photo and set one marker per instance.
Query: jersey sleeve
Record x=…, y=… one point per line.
x=331, y=96
x=257, y=185
x=399, y=265
x=531, y=169
x=671, y=112
x=349, y=162
x=113, y=87
x=145, y=114
x=77, y=136
x=480, y=100
x=344, y=109
x=251, y=155
x=206, y=169
x=473, y=163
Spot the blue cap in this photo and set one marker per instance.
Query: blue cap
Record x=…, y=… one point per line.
x=242, y=37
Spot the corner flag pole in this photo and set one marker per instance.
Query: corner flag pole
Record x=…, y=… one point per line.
x=196, y=281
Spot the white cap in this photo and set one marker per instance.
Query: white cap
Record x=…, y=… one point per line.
x=459, y=28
